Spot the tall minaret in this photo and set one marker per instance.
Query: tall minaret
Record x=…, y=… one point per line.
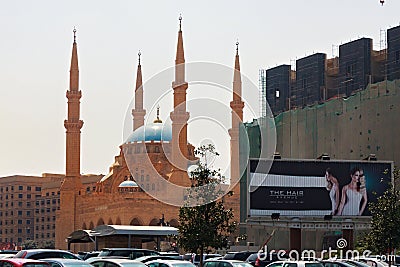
x=73, y=124
x=66, y=221
x=138, y=112
x=237, y=117
x=179, y=116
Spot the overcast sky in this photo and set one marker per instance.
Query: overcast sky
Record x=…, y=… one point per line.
x=35, y=51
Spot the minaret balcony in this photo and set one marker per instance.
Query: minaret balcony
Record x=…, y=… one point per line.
x=73, y=126
x=72, y=95
x=177, y=117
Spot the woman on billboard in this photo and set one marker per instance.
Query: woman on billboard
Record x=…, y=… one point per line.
x=354, y=195
x=332, y=185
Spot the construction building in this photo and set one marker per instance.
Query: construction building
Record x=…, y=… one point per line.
x=317, y=78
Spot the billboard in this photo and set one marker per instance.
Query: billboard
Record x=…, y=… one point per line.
x=315, y=187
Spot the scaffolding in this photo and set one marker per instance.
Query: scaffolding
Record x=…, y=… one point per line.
x=262, y=87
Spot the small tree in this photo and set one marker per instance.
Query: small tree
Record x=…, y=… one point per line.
x=29, y=244
x=47, y=244
x=205, y=226
x=385, y=234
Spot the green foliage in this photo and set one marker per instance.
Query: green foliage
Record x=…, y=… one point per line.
x=207, y=226
x=385, y=234
x=48, y=244
x=30, y=244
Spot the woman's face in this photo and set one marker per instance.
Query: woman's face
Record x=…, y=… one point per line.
x=355, y=177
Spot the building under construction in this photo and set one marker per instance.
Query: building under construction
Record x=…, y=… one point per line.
x=342, y=108
x=345, y=106
x=317, y=79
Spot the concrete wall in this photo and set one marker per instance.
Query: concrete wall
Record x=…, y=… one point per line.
x=345, y=128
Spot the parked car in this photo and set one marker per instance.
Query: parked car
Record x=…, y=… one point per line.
x=37, y=254
x=188, y=257
x=276, y=264
x=262, y=259
x=356, y=263
x=170, y=263
x=225, y=263
x=145, y=259
x=174, y=255
x=117, y=263
x=18, y=262
x=196, y=258
x=131, y=253
x=373, y=262
x=238, y=255
x=334, y=263
x=92, y=259
x=2, y=256
x=8, y=251
x=302, y=264
x=86, y=255
x=67, y=263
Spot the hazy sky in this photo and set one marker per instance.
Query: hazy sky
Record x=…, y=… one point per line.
x=36, y=44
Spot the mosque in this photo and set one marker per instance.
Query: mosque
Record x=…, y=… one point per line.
x=125, y=196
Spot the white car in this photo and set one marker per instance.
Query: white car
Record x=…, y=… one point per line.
x=169, y=263
x=302, y=264
x=373, y=262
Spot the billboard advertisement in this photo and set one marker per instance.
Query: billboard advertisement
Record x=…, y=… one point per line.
x=316, y=187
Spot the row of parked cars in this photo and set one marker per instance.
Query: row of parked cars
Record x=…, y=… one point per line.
x=127, y=257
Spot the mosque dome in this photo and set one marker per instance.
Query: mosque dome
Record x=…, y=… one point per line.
x=155, y=131
x=128, y=183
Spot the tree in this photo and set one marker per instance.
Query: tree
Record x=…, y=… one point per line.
x=47, y=244
x=208, y=225
x=29, y=244
x=385, y=234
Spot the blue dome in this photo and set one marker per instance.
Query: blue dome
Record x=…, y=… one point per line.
x=128, y=184
x=151, y=132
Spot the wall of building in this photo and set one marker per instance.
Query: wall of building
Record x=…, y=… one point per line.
x=345, y=128
x=355, y=65
x=310, y=80
x=393, y=54
x=278, y=88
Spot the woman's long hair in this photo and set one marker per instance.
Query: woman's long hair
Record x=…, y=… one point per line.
x=353, y=172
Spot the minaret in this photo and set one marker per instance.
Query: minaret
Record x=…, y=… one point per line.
x=73, y=124
x=237, y=117
x=138, y=112
x=179, y=116
x=71, y=186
